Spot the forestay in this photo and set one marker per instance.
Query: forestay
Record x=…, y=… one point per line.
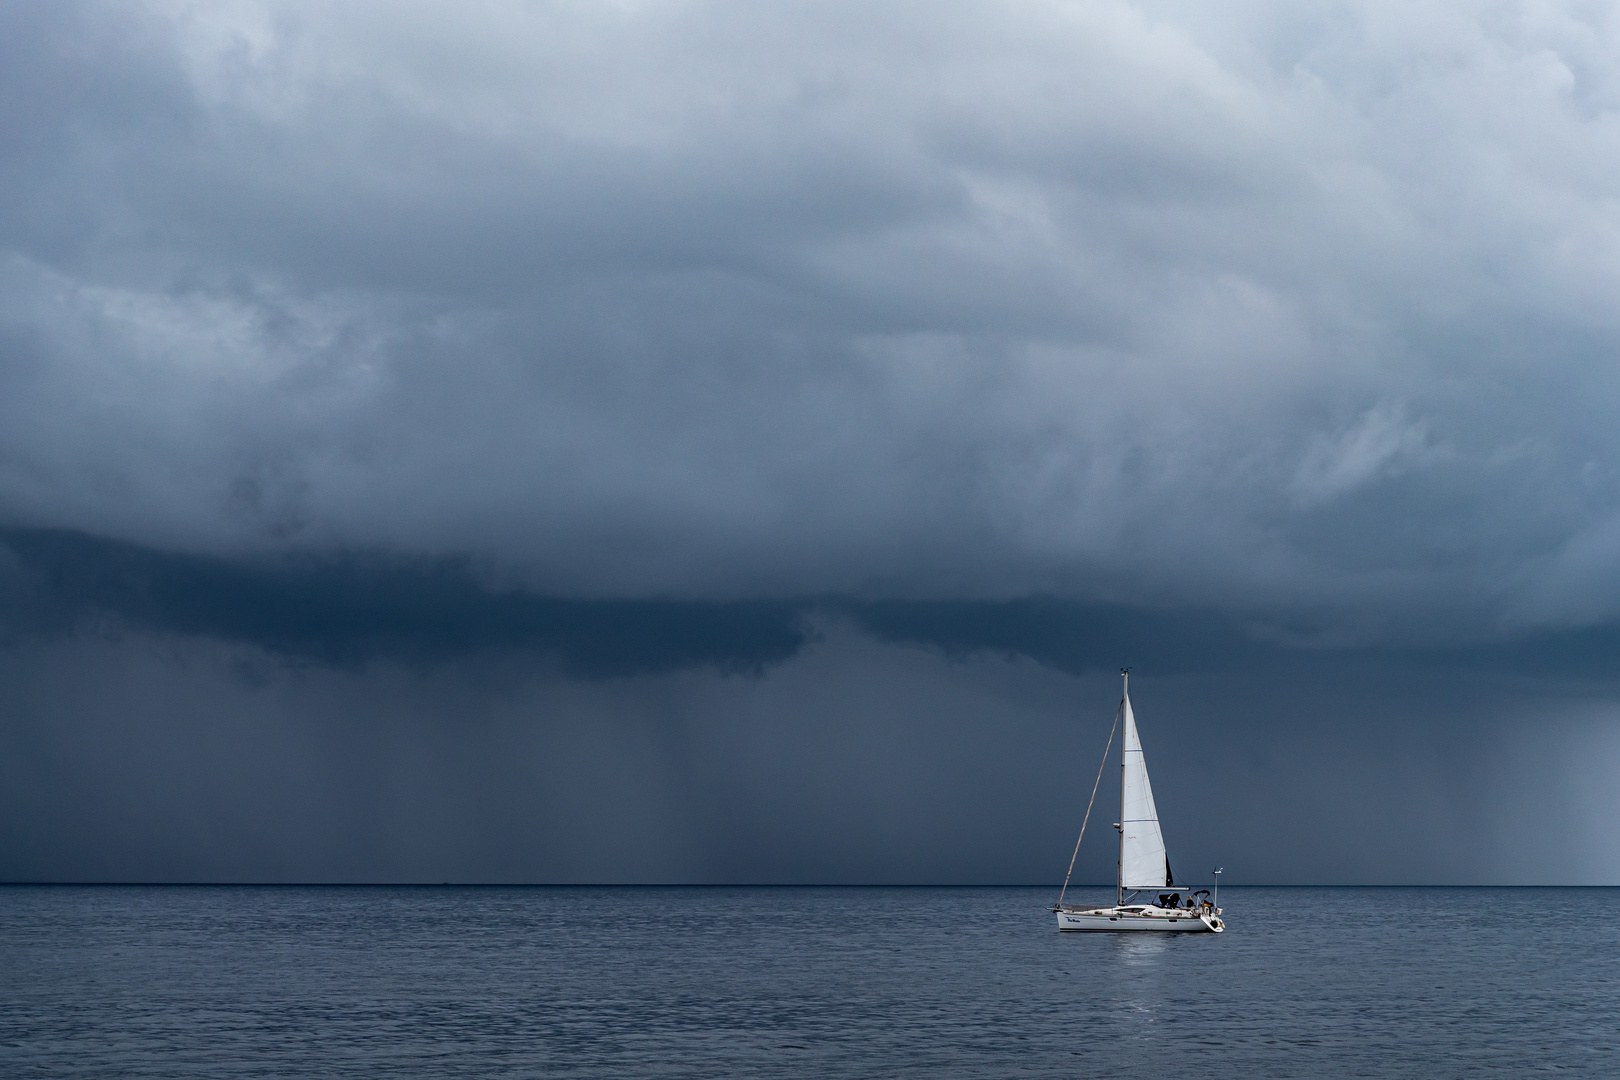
x=1142, y=863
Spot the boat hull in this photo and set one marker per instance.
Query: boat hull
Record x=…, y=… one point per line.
x=1135, y=920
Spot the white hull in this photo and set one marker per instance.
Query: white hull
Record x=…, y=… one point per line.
x=1141, y=917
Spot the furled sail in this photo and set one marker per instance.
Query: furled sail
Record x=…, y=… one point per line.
x=1142, y=862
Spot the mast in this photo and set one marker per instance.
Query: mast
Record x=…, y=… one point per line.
x=1119, y=863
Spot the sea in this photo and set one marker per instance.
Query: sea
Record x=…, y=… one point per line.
x=293, y=981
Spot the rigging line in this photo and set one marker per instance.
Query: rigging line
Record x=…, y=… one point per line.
x=1094, y=787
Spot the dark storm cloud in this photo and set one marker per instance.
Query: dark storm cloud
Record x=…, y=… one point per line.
x=1303, y=316
x=350, y=609
x=354, y=608
x=1071, y=637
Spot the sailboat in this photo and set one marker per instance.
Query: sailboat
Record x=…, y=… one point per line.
x=1143, y=865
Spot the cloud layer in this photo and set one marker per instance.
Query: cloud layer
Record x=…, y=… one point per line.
x=1308, y=313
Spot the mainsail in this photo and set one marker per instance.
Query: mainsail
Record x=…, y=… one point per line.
x=1142, y=862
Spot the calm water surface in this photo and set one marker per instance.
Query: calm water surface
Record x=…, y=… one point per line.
x=598, y=982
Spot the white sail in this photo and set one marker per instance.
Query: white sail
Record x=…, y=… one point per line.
x=1142, y=863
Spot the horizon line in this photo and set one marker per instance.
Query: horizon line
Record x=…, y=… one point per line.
x=743, y=885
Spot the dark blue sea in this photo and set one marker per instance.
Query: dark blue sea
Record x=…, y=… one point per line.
x=818, y=982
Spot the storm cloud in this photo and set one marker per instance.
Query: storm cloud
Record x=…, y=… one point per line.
x=638, y=352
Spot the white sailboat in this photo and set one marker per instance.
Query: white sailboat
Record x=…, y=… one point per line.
x=1143, y=865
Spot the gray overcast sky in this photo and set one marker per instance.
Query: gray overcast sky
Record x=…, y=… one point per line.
x=722, y=441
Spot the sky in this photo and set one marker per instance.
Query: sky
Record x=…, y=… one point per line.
x=694, y=441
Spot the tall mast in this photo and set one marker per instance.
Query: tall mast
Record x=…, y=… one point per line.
x=1119, y=863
